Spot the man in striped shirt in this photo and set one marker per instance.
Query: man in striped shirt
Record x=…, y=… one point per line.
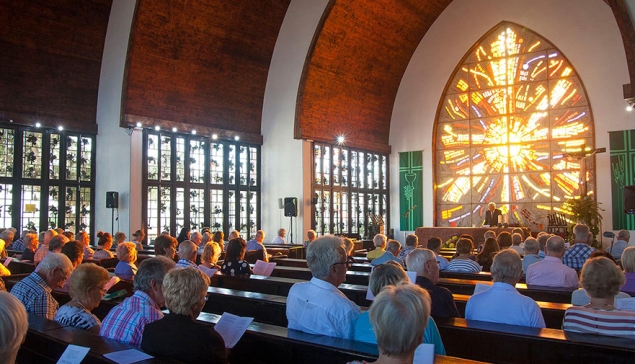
x=126, y=322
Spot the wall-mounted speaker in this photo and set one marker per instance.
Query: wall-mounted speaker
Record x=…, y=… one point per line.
x=112, y=200
x=629, y=199
x=290, y=206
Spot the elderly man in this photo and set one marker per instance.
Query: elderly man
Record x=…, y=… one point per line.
x=434, y=244
x=531, y=253
x=196, y=238
x=551, y=272
x=125, y=322
x=412, y=241
x=257, y=244
x=34, y=291
x=19, y=244
x=187, y=255
x=576, y=255
x=43, y=250
x=280, y=238
x=165, y=245
x=380, y=247
x=392, y=250
x=424, y=263
x=317, y=306
x=622, y=237
x=516, y=240
x=502, y=303
x=492, y=215
x=542, y=238
x=57, y=243
x=310, y=235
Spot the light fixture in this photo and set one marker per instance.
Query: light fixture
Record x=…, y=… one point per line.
x=157, y=128
x=340, y=139
x=193, y=132
x=138, y=124
x=37, y=125
x=236, y=138
x=629, y=108
x=174, y=129
x=60, y=128
x=214, y=136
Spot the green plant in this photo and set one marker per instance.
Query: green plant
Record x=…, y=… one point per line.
x=585, y=210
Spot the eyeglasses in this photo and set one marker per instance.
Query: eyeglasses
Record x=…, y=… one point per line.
x=348, y=264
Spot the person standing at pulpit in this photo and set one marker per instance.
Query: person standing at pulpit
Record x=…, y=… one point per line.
x=492, y=214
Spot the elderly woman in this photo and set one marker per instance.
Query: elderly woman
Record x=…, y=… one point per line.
x=86, y=291
x=209, y=258
x=127, y=255
x=84, y=239
x=601, y=279
x=486, y=256
x=165, y=245
x=119, y=238
x=234, y=264
x=31, y=244
x=462, y=262
x=177, y=335
x=391, y=274
x=13, y=326
x=105, y=243
x=397, y=340
x=628, y=263
x=138, y=239
x=380, y=247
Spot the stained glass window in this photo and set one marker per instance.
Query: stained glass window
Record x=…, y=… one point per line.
x=514, y=128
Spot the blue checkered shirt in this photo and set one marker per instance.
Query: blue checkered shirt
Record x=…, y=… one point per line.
x=18, y=245
x=35, y=295
x=184, y=263
x=576, y=255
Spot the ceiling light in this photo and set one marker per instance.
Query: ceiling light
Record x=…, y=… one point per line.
x=214, y=136
x=157, y=128
x=60, y=128
x=193, y=132
x=138, y=124
x=236, y=137
x=37, y=125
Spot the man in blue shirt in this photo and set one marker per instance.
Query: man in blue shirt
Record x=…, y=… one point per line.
x=392, y=250
x=623, y=237
x=502, y=303
x=257, y=243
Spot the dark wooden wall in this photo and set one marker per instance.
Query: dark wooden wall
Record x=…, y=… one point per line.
x=627, y=29
x=50, y=60
x=358, y=58
x=202, y=64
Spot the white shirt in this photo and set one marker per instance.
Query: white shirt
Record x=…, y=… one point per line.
x=278, y=240
x=318, y=307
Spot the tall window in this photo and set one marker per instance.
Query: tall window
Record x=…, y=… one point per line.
x=46, y=179
x=194, y=182
x=514, y=127
x=350, y=189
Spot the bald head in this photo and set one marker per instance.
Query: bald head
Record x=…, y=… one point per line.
x=187, y=250
x=57, y=242
x=555, y=247
x=48, y=235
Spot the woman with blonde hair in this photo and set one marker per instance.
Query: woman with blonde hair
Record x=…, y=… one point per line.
x=13, y=326
x=177, y=334
x=127, y=255
x=210, y=255
x=86, y=291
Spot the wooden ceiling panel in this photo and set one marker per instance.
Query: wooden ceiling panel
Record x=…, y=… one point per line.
x=50, y=57
x=202, y=63
x=357, y=61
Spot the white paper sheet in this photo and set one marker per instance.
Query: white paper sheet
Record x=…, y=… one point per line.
x=424, y=354
x=128, y=356
x=263, y=268
x=232, y=328
x=73, y=354
x=627, y=304
x=7, y=261
x=208, y=271
x=481, y=287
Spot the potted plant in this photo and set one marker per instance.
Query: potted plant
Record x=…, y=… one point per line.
x=585, y=210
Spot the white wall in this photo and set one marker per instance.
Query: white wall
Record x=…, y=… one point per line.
x=282, y=156
x=584, y=30
x=113, y=144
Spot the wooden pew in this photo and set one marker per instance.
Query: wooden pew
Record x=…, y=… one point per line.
x=18, y=267
x=516, y=344
x=301, y=263
x=46, y=341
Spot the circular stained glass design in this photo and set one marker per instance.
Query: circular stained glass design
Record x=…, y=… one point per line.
x=514, y=127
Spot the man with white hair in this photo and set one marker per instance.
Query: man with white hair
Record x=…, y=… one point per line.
x=576, y=255
x=621, y=243
x=279, y=239
x=516, y=240
x=196, y=238
x=43, y=250
x=392, y=250
x=318, y=306
x=492, y=215
x=424, y=263
x=502, y=303
x=34, y=291
x=531, y=253
x=380, y=247
x=187, y=255
x=257, y=244
x=551, y=272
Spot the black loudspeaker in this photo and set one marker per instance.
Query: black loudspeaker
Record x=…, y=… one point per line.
x=290, y=206
x=629, y=199
x=112, y=200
